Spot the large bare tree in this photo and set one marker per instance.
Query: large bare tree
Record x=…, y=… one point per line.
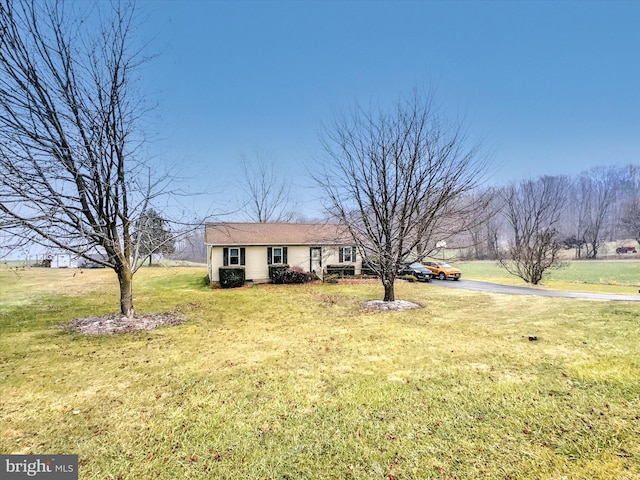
x=71, y=175
x=268, y=195
x=532, y=209
x=398, y=180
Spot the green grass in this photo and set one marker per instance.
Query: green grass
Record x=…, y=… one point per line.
x=278, y=381
x=603, y=276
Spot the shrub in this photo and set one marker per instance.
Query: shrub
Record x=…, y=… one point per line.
x=410, y=278
x=231, y=277
x=370, y=268
x=297, y=275
x=276, y=272
x=341, y=270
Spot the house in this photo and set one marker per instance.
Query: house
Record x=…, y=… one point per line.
x=254, y=247
x=64, y=260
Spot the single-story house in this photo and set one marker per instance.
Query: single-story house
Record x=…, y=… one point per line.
x=64, y=260
x=257, y=246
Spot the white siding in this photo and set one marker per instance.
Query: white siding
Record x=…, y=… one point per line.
x=257, y=268
x=298, y=256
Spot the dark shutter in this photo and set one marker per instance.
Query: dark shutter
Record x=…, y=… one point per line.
x=225, y=256
x=242, y=256
x=269, y=255
x=284, y=254
x=341, y=255
x=353, y=254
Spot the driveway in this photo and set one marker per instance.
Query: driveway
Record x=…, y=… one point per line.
x=498, y=288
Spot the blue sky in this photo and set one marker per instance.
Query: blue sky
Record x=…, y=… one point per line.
x=547, y=87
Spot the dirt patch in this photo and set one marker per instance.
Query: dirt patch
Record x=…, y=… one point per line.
x=109, y=324
x=396, y=305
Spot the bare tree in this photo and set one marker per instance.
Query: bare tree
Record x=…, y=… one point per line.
x=190, y=247
x=398, y=181
x=596, y=189
x=631, y=219
x=69, y=108
x=572, y=220
x=532, y=210
x=267, y=190
x=628, y=199
x=483, y=232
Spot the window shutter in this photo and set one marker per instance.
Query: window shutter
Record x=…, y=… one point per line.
x=242, y=256
x=225, y=257
x=284, y=254
x=269, y=255
x=353, y=254
x=341, y=255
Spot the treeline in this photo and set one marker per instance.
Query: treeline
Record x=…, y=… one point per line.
x=581, y=213
x=537, y=217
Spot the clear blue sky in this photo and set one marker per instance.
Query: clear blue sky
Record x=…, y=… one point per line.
x=548, y=87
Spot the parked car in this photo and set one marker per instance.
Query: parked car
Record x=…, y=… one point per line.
x=626, y=250
x=417, y=270
x=443, y=270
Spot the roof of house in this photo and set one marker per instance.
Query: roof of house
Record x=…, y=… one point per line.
x=276, y=234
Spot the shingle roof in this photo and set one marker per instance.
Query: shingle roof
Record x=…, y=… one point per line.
x=276, y=234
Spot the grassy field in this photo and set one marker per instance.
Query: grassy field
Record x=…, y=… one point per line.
x=606, y=276
x=299, y=382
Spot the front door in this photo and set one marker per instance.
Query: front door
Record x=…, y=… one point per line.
x=316, y=261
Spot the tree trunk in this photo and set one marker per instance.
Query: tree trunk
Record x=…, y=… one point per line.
x=125, y=280
x=389, y=291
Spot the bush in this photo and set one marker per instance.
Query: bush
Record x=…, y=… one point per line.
x=297, y=275
x=276, y=272
x=231, y=277
x=341, y=270
x=331, y=278
x=370, y=268
x=410, y=278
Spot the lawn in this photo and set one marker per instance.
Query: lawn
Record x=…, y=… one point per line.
x=299, y=382
x=602, y=276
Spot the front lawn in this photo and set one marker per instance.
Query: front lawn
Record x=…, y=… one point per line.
x=292, y=382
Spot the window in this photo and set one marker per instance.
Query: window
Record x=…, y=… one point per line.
x=347, y=255
x=276, y=255
x=233, y=256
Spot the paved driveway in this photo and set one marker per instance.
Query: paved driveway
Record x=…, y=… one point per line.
x=498, y=288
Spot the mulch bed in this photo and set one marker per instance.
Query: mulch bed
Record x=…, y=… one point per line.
x=395, y=306
x=109, y=324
